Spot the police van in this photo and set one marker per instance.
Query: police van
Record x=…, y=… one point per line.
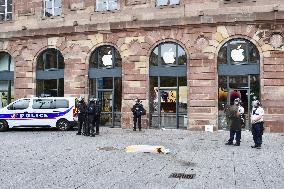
x=60, y=112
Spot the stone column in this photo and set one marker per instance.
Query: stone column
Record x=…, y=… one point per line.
x=134, y=78
x=202, y=90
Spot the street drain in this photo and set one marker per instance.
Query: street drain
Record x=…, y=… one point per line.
x=182, y=175
x=107, y=148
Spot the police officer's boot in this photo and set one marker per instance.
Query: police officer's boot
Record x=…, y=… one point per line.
x=229, y=143
x=237, y=143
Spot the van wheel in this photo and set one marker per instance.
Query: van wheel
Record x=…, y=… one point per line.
x=63, y=125
x=3, y=126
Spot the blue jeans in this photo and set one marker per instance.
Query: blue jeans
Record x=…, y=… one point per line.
x=257, y=132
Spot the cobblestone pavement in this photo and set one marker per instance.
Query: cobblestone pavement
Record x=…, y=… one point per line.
x=52, y=159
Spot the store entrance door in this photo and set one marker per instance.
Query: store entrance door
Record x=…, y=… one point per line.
x=168, y=108
x=232, y=87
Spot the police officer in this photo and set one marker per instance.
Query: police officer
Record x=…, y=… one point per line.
x=91, y=116
x=97, y=117
x=137, y=111
x=235, y=123
x=257, y=123
x=81, y=115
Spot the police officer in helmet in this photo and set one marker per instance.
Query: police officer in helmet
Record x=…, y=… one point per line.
x=137, y=110
x=91, y=116
x=97, y=117
x=82, y=107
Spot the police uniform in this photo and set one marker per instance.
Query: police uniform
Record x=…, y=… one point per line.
x=81, y=116
x=91, y=117
x=257, y=127
x=137, y=111
x=97, y=117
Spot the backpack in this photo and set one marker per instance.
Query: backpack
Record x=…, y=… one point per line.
x=91, y=109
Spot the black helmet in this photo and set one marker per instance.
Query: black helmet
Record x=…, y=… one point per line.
x=80, y=99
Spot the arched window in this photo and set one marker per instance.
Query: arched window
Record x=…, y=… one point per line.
x=50, y=73
x=168, y=86
x=168, y=54
x=6, y=79
x=106, y=83
x=105, y=57
x=50, y=59
x=238, y=51
x=238, y=77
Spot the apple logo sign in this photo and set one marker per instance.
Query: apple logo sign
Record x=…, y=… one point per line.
x=169, y=56
x=237, y=54
x=107, y=59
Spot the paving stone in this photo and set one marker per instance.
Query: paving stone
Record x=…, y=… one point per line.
x=52, y=159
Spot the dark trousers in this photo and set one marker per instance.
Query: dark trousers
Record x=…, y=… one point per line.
x=81, y=122
x=96, y=123
x=90, y=124
x=238, y=135
x=135, y=120
x=257, y=132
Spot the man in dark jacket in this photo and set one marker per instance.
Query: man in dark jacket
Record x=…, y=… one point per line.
x=235, y=123
x=137, y=111
x=97, y=117
x=91, y=117
x=82, y=107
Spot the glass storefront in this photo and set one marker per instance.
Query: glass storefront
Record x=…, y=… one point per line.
x=50, y=74
x=6, y=79
x=109, y=91
x=106, y=83
x=238, y=78
x=168, y=102
x=168, y=86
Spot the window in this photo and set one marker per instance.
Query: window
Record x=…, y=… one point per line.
x=6, y=62
x=238, y=51
x=6, y=79
x=168, y=54
x=105, y=57
x=167, y=2
x=42, y=104
x=106, y=5
x=50, y=59
x=5, y=10
x=50, y=73
x=52, y=8
x=20, y=105
x=50, y=88
x=61, y=103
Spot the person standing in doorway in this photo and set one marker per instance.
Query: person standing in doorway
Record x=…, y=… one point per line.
x=137, y=110
x=235, y=123
x=257, y=124
x=82, y=107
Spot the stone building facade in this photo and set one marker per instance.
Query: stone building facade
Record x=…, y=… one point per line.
x=201, y=28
